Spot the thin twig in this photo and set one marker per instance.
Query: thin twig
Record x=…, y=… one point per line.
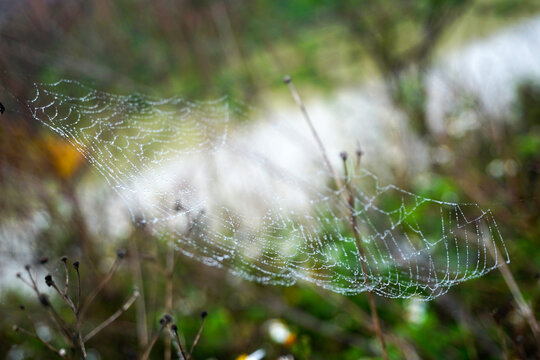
x=34, y=285
x=324, y=154
x=100, y=286
x=169, y=292
x=78, y=325
x=120, y=254
x=19, y=276
x=371, y=297
x=113, y=317
x=36, y=336
x=140, y=306
x=164, y=323
x=57, y=320
x=198, y=336
x=76, y=266
x=349, y=197
x=524, y=308
x=66, y=286
x=174, y=329
x=50, y=282
x=81, y=344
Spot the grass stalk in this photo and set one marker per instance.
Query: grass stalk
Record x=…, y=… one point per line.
x=371, y=297
x=523, y=307
x=349, y=197
x=316, y=136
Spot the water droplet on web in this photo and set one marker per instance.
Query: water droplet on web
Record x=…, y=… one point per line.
x=243, y=212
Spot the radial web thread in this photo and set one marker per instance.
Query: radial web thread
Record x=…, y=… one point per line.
x=172, y=160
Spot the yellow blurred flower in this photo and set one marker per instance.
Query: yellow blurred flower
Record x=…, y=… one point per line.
x=63, y=157
x=256, y=355
x=280, y=333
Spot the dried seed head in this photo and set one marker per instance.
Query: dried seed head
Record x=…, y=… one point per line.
x=64, y=259
x=18, y=275
x=21, y=306
x=168, y=318
x=287, y=79
x=43, y=260
x=174, y=328
x=121, y=253
x=76, y=265
x=49, y=280
x=15, y=328
x=27, y=267
x=343, y=155
x=44, y=300
x=204, y=314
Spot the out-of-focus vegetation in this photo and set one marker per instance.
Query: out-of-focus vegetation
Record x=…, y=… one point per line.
x=202, y=49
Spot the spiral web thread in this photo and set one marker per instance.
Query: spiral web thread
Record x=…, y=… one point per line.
x=172, y=160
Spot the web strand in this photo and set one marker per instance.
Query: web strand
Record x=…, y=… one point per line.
x=183, y=171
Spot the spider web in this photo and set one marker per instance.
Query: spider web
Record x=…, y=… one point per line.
x=188, y=170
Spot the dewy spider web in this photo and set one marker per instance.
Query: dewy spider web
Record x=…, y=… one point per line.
x=183, y=172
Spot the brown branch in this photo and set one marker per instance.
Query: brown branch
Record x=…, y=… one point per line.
x=114, y=316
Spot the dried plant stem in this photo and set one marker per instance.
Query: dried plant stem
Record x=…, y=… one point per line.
x=81, y=312
x=148, y=350
x=78, y=288
x=140, y=305
x=324, y=154
x=66, y=299
x=34, y=285
x=113, y=317
x=35, y=335
x=27, y=283
x=98, y=288
x=178, y=344
x=61, y=326
x=169, y=292
x=349, y=197
x=524, y=308
x=66, y=285
x=43, y=299
x=371, y=297
x=197, y=338
x=81, y=343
